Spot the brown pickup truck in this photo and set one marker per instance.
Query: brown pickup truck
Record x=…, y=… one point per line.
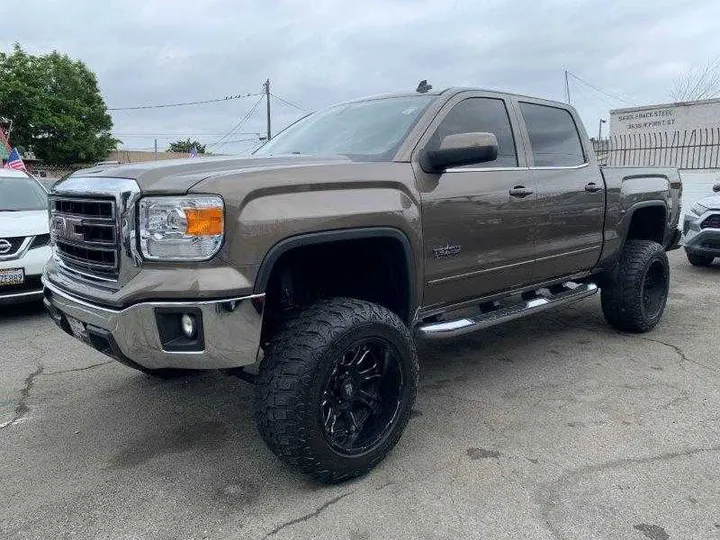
x=314, y=266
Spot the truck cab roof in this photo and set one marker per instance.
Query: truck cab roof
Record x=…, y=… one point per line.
x=453, y=90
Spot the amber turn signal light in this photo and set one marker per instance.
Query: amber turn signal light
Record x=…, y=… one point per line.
x=204, y=221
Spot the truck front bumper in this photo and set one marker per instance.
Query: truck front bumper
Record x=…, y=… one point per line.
x=148, y=335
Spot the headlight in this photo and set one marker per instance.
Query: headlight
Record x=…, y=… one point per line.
x=698, y=209
x=181, y=228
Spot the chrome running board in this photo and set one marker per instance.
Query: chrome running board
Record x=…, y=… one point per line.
x=569, y=292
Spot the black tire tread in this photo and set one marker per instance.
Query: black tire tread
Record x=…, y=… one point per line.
x=286, y=372
x=620, y=297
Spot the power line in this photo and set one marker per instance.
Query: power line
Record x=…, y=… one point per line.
x=178, y=135
x=289, y=103
x=602, y=91
x=588, y=94
x=239, y=124
x=183, y=104
x=255, y=139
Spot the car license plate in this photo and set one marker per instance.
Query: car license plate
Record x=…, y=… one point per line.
x=77, y=327
x=12, y=276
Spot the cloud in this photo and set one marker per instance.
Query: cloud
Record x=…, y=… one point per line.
x=320, y=52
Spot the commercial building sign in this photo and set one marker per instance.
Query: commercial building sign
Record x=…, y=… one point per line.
x=657, y=118
x=667, y=117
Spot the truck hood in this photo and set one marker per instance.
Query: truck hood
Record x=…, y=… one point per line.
x=711, y=203
x=179, y=175
x=23, y=223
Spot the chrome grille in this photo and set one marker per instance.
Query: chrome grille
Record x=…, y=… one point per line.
x=85, y=235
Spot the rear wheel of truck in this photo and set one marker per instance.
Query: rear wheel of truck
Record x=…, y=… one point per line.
x=634, y=298
x=697, y=259
x=336, y=387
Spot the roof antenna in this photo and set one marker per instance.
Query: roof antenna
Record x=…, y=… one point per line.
x=423, y=87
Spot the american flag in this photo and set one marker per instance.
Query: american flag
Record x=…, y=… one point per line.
x=14, y=161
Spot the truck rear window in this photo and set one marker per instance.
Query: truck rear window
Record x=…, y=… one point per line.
x=554, y=137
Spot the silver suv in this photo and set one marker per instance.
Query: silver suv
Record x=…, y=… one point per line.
x=702, y=230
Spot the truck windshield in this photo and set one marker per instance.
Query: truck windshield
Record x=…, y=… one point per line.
x=371, y=130
x=17, y=194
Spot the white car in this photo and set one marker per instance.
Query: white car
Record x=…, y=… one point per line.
x=24, y=236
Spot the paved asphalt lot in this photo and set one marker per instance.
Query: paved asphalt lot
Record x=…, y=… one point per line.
x=552, y=427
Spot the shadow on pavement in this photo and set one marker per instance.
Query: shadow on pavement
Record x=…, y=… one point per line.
x=18, y=311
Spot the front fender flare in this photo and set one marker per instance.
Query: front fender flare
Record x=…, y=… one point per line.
x=339, y=235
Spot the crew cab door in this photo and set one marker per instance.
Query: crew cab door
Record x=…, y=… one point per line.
x=478, y=220
x=570, y=192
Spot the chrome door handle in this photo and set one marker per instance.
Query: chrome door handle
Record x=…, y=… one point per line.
x=592, y=187
x=520, y=191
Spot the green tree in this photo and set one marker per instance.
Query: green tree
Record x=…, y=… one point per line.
x=185, y=146
x=56, y=107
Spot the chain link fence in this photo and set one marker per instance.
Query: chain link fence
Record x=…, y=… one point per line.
x=49, y=174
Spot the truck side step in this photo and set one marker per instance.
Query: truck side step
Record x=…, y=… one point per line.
x=542, y=300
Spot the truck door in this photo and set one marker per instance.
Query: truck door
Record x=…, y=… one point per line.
x=570, y=193
x=478, y=220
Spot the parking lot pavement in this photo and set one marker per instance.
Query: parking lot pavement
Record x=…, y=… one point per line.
x=552, y=427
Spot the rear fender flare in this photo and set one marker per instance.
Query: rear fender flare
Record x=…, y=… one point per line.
x=615, y=244
x=624, y=227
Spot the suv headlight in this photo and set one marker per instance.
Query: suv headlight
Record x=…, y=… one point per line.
x=698, y=209
x=189, y=228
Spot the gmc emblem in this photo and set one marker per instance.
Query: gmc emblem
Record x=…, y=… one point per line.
x=67, y=228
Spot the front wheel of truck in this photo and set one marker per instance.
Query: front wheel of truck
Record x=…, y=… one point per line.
x=336, y=387
x=634, y=297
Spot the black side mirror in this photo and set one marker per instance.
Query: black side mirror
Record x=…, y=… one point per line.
x=716, y=188
x=460, y=149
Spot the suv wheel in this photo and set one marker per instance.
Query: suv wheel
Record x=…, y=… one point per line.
x=336, y=387
x=634, y=298
x=697, y=259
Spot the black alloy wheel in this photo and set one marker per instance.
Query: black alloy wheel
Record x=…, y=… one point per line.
x=362, y=396
x=655, y=289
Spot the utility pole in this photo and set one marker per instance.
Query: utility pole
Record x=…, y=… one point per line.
x=267, y=101
x=567, y=87
x=155, y=149
x=600, y=129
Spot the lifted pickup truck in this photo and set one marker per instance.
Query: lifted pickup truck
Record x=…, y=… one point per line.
x=315, y=265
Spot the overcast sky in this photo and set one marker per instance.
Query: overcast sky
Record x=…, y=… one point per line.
x=315, y=53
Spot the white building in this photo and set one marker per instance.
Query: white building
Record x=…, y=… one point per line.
x=688, y=116
x=682, y=135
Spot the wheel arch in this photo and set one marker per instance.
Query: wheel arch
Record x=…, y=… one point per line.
x=287, y=245
x=619, y=228
x=645, y=220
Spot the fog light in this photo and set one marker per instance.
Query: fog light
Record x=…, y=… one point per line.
x=187, y=324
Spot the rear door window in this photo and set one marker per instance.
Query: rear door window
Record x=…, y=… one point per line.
x=554, y=137
x=487, y=115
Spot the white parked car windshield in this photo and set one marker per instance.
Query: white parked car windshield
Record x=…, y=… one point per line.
x=19, y=194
